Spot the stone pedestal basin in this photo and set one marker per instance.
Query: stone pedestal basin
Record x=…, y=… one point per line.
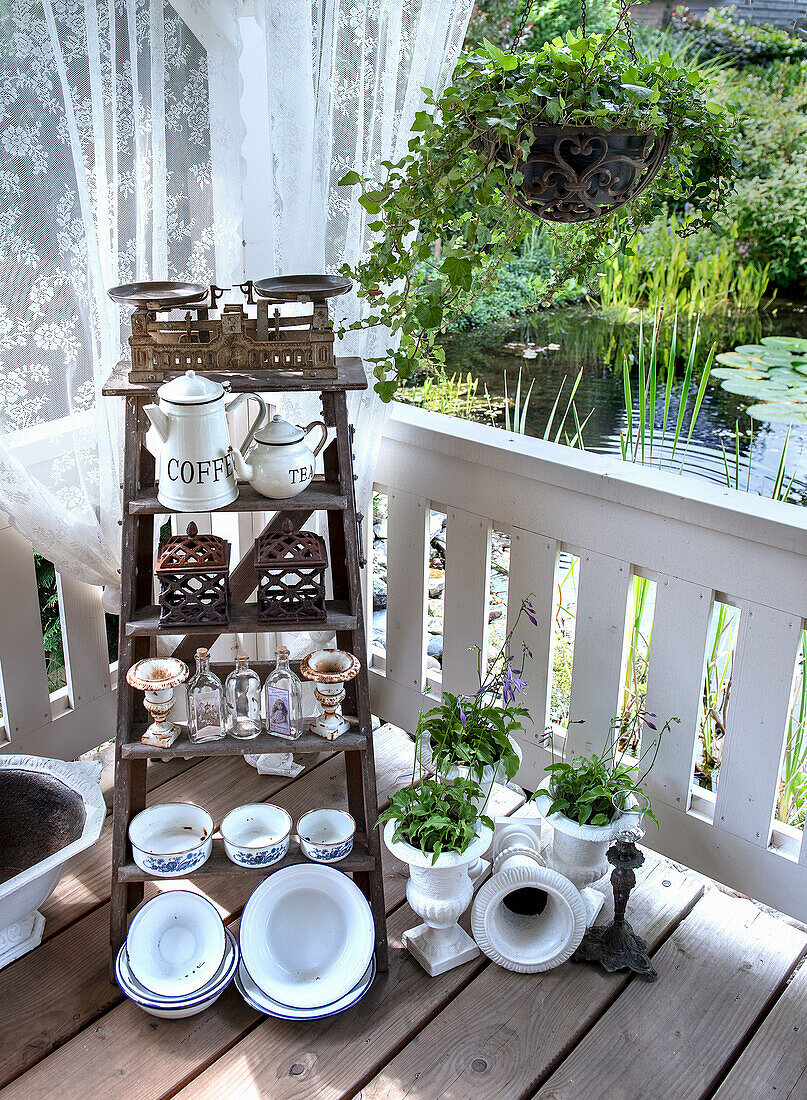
x=49, y=811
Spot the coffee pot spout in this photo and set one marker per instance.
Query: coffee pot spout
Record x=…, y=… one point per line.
x=158, y=420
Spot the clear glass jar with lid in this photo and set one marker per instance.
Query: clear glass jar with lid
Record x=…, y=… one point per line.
x=242, y=693
x=283, y=698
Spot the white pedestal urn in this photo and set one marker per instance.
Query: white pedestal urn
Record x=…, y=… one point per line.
x=439, y=892
x=527, y=917
x=491, y=773
x=330, y=669
x=577, y=851
x=157, y=677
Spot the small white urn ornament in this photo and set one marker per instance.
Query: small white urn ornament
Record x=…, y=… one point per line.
x=439, y=892
x=527, y=917
x=281, y=464
x=330, y=669
x=157, y=677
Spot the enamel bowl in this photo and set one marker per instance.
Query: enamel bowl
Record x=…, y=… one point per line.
x=256, y=835
x=261, y=1002
x=177, y=1009
x=307, y=935
x=175, y=943
x=171, y=839
x=326, y=836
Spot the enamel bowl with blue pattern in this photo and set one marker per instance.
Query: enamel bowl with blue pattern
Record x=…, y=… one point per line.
x=171, y=839
x=256, y=835
x=326, y=836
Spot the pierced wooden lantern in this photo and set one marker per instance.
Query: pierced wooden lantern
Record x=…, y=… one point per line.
x=292, y=568
x=194, y=575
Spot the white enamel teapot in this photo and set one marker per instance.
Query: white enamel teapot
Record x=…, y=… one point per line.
x=281, y=464
x=190, y=440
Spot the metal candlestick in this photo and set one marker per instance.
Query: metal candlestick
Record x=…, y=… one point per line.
x=616, y=946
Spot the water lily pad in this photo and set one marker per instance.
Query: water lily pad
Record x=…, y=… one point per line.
x=775, y=413
x=783, y=374
x=801, y=368
x=732, y=359
x=790, y=343
x=751, y=387
x=735, y=372
x=751, y=349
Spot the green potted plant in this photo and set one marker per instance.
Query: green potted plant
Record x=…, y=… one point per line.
x=576, y=798
x=583, y=131
x=472, y=735
x=436, y=827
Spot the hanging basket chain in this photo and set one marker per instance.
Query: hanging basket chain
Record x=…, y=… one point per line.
x=528, y=6
x=624, y=19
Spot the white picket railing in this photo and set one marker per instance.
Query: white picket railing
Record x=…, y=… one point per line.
x=699, y=543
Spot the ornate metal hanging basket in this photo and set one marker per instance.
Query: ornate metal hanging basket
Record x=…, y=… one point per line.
x=576, y=174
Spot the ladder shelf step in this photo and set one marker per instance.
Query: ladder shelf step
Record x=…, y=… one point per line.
x=318, y=496
x=228, y=746
x=243, y=619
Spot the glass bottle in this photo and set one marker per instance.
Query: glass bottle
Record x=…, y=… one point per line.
x=206, y=710
x=283, y=698
x=242, y=694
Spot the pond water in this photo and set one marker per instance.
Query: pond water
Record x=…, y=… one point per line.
x=586, y=340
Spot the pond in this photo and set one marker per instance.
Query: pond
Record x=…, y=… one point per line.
x=585, y=340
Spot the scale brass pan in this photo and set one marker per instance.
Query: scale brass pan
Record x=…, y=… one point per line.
x=291, y=288
x=159, y=295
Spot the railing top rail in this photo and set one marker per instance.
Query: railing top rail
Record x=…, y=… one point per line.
x=693, y=501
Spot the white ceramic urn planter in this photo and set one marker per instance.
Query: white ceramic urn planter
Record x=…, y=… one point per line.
x=577, y=851
x=439, y=892
x=49, y=811
x=527, y=917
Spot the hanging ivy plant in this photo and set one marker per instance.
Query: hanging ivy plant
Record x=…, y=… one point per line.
x=582, y=132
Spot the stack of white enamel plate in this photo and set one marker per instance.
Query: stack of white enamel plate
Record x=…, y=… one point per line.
x=307, y=944
x=178, y=957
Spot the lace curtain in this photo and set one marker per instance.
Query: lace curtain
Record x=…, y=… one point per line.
x=120, y=143
x=344, y=79
x=112, y=168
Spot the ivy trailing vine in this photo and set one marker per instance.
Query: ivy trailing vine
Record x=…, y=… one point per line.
x=465, y=154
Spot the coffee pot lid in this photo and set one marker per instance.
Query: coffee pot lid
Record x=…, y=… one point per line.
x=190, y=388
x=278, y=431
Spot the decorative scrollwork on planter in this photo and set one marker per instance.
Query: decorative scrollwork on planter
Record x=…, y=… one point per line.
x=576, y=174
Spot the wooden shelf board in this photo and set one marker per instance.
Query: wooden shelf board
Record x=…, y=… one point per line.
x=350, y=376
x=319, y=495
x=243, y=619
x=359, y=859
x=230, y=746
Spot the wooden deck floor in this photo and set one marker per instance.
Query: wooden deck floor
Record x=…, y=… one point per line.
x=727, y=1018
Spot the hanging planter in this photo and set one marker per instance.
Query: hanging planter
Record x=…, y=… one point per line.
x=574, y=174
x=583, y=133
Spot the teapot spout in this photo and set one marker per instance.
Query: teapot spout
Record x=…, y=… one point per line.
x=158, y=419
x=242, y=468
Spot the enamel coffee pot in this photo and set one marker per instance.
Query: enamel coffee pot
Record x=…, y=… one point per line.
x=191, y=442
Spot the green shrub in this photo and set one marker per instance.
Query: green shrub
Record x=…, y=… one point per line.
x=721, y=33
x=772, y=126
x=771, y=216
x=497, y=20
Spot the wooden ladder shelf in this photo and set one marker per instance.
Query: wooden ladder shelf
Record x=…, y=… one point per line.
x=139, y=630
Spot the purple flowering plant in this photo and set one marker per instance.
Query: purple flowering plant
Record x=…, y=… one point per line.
x=582, y=789
x=474, y=730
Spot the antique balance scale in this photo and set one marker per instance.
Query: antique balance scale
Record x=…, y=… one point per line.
x=247, y=346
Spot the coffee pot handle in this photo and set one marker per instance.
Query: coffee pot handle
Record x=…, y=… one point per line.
x=258, y=422
x=324, y=436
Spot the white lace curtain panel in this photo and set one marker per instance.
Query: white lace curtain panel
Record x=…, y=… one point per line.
x=120, y=158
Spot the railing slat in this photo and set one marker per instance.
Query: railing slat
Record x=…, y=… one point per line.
x=751, y=761
x=533, y=568
x=681, y=619
x=85, y=646
x=599, y=649
x=465, y=621
x=407, y=560
x=22, y=655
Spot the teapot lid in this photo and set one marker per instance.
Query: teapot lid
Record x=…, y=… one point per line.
x=278, y=431
x=190, y=388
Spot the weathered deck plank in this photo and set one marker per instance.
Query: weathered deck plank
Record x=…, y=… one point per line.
x=38, y=1015
x=717, y=973
x=506, y=1031
x=775, y=1061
